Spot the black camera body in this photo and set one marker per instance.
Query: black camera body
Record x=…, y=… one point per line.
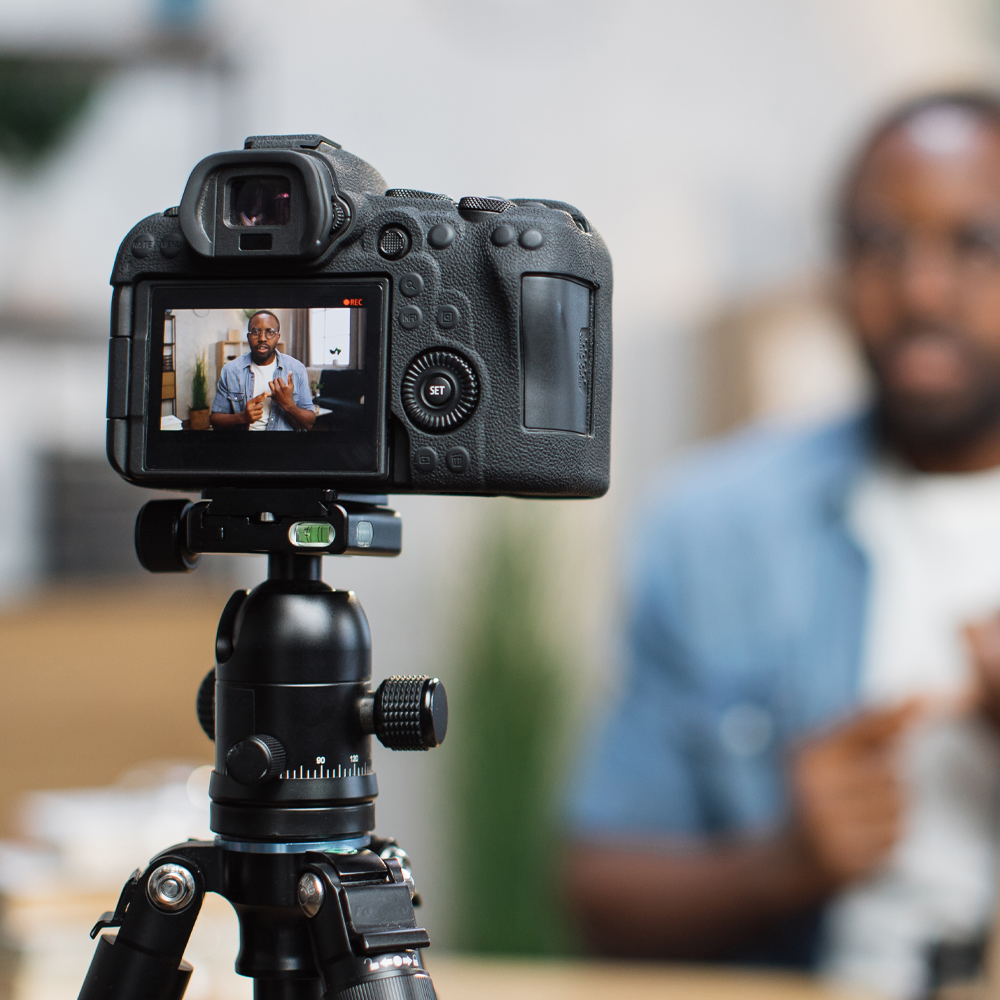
x=448, y=347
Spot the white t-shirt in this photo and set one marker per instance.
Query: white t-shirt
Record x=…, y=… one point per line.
x=933, y=542
x=262, y=375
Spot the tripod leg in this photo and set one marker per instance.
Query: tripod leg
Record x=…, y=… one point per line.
x=157, y=913
x=287, y=989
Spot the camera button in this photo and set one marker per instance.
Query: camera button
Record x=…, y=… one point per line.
x=143, y=245
x=171, y=244
x=503, y=236
x=437, y=391
x=410, y=317
x=411, y=284
x=448, y=317
x=532, y=239
x=425, y=460
x=457, y=460
x=442, y=235
x=394, y=242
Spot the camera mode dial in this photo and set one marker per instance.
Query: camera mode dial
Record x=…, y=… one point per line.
x=440, y=390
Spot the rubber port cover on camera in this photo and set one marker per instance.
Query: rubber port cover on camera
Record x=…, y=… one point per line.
x=457, y=460
x=425, y=460
x=411, y=284
x=532, y=239
x=503, y=236
x=442, y=235
x=410, y=317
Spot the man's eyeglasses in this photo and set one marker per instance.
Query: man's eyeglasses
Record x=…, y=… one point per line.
x=255, y=333
x=972, y=249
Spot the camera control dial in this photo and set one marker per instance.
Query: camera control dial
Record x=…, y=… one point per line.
x=440, y=390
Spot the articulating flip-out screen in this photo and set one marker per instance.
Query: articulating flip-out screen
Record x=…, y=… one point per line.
x=234, y=370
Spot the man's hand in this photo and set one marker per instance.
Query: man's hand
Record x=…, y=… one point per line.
x=282, y=392
x=983, y=638
x=696, y=898
x=255, y=409
x=848, y=797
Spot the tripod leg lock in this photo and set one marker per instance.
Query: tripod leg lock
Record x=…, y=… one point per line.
x=155, y=913
x=109, y=919
x=363, y=929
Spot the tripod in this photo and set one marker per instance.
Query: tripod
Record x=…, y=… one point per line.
x=324, y=907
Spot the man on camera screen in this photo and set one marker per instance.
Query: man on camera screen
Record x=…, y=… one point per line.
x=263, y=390
x=805, y=766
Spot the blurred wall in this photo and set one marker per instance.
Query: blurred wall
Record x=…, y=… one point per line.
x=701, y=139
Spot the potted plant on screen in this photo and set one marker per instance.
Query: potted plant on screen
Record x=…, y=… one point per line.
x=199, y=411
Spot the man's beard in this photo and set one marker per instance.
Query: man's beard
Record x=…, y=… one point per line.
x=943, y=421
x=267, y=358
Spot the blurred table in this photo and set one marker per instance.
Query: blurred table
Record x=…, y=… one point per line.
x=467, y=978
x=55, y=951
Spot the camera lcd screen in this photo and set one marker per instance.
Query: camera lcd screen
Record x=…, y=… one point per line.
x=270, y=378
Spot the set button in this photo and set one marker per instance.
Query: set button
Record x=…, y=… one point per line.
x=437, y=390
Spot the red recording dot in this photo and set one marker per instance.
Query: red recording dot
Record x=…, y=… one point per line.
x=347, y=302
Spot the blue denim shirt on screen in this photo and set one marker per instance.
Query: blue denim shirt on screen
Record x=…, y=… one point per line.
x=236, y=387
x=744, y=631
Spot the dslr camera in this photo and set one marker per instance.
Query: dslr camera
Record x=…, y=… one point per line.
x=405, y=342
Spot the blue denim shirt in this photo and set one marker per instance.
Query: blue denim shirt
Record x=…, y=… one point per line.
x=744, y=631
x=236, y=387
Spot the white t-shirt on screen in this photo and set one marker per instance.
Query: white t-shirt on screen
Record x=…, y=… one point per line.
x=262, y=375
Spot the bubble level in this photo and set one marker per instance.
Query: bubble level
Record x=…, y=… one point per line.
x=311, y=534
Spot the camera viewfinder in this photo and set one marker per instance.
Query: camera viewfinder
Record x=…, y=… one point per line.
x=260, y=201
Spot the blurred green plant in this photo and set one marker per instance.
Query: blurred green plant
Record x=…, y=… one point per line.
x=509, y=715
x=39, y=100
x=199, y=383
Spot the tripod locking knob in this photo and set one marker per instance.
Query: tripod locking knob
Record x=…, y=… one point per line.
x=409, y=713
x=255, y=760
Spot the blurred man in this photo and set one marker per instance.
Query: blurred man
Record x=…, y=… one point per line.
x=805, y=764
x=264, y=390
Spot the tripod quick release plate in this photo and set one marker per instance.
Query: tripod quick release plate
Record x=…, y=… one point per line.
x=170, y=535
